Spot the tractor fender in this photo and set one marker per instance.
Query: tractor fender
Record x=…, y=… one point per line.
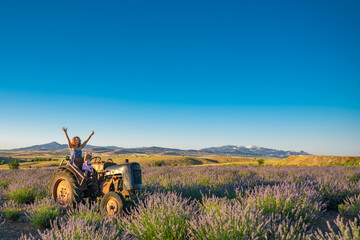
x=78, y=175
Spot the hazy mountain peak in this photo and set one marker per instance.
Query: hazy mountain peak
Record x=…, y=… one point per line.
x=252, y=147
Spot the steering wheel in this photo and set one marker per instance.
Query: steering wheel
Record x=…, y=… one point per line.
x=96, y=159
x=110, y=160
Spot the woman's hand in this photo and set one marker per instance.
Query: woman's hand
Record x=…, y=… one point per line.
x=83, y=145
x=67, y=137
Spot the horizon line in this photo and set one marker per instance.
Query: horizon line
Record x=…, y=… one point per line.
x=249, y=146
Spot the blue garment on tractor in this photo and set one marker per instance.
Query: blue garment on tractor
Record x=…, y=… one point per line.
x=75, y=154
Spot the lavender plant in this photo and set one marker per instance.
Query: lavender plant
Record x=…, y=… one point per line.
x=289, y=200
x=160, y=216
x=22, y=195
x=347, y=230
x=25, y=186
x=88, y=211
x=351, y=207
x=288, y=229
x=4, y=184
x=220, y=218
x=42, y=212
x=78, y=229
x=334, y=186
x=355, y=178
x=11, y=211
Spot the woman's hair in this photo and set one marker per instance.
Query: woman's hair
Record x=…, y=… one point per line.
x=73, y=141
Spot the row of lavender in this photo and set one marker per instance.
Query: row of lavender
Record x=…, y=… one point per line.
x=200, y=203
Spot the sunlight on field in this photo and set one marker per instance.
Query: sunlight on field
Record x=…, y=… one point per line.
x=315, y=160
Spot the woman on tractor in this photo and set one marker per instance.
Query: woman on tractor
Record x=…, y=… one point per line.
x=75, y=147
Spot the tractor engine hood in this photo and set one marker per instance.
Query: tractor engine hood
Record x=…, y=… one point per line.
x=131, y=174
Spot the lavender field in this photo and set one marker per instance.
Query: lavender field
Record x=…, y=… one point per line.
x=209, y=202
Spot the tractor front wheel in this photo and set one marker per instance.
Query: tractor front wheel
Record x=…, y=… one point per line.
x=112, y=204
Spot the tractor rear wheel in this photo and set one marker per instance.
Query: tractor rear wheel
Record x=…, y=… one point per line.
x=65, y=189
x=112, y=204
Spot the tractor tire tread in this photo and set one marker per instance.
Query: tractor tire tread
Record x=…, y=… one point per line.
x=76, y=194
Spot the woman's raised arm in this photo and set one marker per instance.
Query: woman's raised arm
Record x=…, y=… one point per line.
x=86, y=141
x=67, y=137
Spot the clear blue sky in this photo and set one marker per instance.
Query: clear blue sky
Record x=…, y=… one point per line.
x=182, y=74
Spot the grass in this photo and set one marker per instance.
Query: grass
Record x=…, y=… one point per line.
x=23, y=195
x=320, y=160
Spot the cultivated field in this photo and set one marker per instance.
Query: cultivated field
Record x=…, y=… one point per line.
x=202, y=202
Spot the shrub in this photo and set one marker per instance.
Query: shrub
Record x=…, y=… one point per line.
x=42, y=212
x=351, y=207
x=348, y=163
x=260, y=161
x=41, y=159
x=22, y=195
x=2, y=162
x=14, y=165
x=157, y=164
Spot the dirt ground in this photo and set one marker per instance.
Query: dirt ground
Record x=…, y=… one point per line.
x=13, y=230
x=320, y=223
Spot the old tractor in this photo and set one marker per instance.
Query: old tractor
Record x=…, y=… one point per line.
x=111, y=183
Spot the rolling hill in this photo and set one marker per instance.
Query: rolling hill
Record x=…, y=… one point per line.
x=317, y=160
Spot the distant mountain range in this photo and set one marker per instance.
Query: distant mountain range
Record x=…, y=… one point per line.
x=55, y=146
x=251, y=151
x=229, y=150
